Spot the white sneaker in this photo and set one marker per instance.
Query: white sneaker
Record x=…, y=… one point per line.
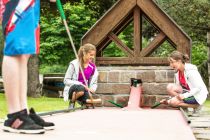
x=197, y=111
x=71, y=106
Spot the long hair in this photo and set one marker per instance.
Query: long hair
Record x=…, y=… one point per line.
x=176, y=55
x=83, y=50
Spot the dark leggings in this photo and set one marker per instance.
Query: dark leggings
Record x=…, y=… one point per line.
x=79, y=88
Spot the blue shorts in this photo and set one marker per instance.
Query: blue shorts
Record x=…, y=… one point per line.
x=190, y=100
x=21, y=27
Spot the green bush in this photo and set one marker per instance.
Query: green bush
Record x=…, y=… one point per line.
x=199, y=53
x=52, y=69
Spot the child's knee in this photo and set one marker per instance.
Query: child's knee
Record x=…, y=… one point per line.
x=174, y=102
x=169, y=87
x=80, y=93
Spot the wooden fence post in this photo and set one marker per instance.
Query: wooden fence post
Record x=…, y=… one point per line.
x=208, y=45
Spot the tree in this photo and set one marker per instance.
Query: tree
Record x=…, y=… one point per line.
x=194, y=18
x=55, y=44
x=34, y=87
x=99, y=7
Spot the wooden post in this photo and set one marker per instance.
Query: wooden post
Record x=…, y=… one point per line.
x=208, y=45
x=137, y=32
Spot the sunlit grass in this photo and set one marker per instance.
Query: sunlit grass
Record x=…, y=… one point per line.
x=39, y=104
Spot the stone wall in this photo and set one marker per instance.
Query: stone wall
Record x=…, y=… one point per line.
x=114, y=83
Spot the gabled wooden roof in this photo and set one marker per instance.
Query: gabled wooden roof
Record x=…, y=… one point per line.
x=106, y=29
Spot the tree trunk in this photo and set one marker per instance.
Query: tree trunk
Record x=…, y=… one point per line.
x=34, y=87
x=208, y=45
x=1, y=47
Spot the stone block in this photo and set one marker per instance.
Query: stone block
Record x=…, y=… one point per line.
x=161, y=76
x=121, y=88
x=125, y=76
x=106, y=98
x=146, y=76
x=114, y=77
x=103, y=77
x=155, y=88
x=104, y=88
x=170, y=76
x=122, y=99
x=148, y=100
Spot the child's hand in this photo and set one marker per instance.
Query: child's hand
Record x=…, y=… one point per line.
x=89, y=89
x=180, y=97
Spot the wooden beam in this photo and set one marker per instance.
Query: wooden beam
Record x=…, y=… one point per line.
x=109, y=21
x=120, y=44
x=126, y=21
x=137, y=31
x=156, y=42
x=134, y=61
x=116, y=31
x=166, y=24
x=103, y=45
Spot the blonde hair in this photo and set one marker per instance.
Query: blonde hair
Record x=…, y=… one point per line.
x=83, y=50
x=176, y=55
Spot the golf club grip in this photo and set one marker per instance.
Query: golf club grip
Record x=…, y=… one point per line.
x=156, y=105
x=60, y=9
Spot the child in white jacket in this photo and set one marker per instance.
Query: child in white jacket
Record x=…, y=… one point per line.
x=189, y=89
x=75, y=86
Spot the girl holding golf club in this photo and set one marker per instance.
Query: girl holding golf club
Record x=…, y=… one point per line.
x=189, y=89
x=75, y=85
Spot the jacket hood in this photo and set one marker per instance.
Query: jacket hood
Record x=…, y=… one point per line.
x=189, y=66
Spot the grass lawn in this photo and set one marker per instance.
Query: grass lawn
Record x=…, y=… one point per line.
x=207, y=105
x=39, y=104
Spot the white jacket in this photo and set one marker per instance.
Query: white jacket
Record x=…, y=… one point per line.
x=194, y=80
x=71, y=78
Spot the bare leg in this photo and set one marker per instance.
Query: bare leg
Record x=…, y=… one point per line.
x=173, y=89
x=75, y=95
x=23, y=81
x=188, y=105
x=15, y=82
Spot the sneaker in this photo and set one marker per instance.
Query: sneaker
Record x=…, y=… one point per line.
x=22, y=123
x=38, y=120
x=71, y=105
x=197, y=111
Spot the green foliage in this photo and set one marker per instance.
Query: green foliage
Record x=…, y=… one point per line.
x=192, y=15
x=113, y=51
x=164, y=50
x=199, y=53
x=52, y=69
x=55, y=44
x=194, y=18
x=99, y=7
